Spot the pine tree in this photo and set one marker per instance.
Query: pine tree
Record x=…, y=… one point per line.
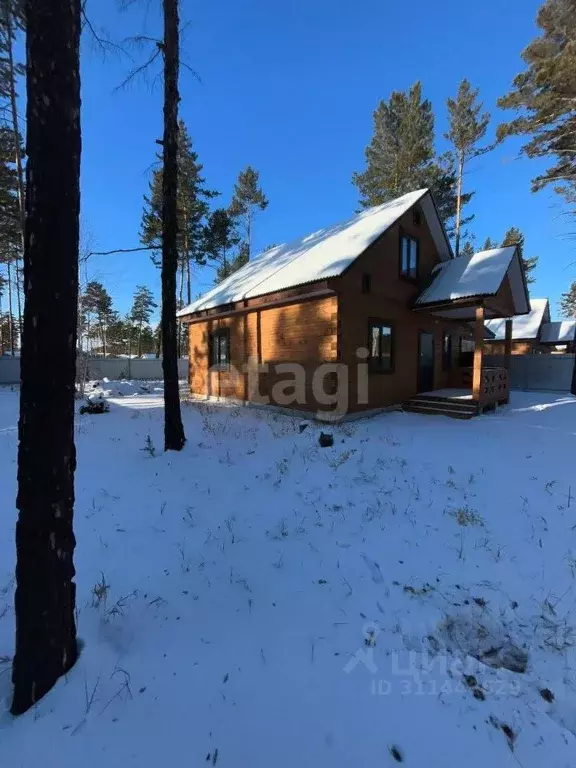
x=10, y=225
x=45, y=598
x=98, y=310
x=174, y=438
x=468, y=125
x=515, y=237
x=11, y=24
x=247, y=200
x=489, y=244
x=543, y=96
x=568, y=303
x=143, y=306
x=400, y=157
x=193, y=207
x=467, y=249
x=221, y=237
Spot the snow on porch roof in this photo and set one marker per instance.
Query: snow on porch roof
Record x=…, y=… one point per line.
x=523, y=327
x=561, y=332
x=479, y=275
x=325, y=253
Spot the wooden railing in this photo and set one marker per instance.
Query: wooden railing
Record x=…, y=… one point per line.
x=494, y=387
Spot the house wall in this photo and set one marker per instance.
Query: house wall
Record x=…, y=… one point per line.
x=302, y=332
x=391, y=299
x=526, y=347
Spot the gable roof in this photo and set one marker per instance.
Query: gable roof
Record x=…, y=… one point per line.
x=560, y=332
x=322, y=254
x=524, y=327
x=478, y=275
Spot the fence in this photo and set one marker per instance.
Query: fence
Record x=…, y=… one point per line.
x=537, y=372
x=101, y=367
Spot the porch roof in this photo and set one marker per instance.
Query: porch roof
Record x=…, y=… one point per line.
x=458, y=286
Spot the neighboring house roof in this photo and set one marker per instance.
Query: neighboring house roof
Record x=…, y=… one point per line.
x=475, y=276
x=526, y=326
x=561, y=332
x=320, y=255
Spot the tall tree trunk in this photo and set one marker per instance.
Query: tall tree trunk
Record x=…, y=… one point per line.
x=187, y=260
x=10, y=313
x=459, y=205
x=188, y=283
x=45, y=598
x=249, y=231
x=16, y=134
x=140, y=340
x=174, y=438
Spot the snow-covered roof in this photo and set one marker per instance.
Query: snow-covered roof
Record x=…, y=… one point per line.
x=560, y=332
x=525, y=326
x=478, y=275
x=322, y=254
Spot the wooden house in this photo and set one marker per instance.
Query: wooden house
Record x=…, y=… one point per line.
x=532, y=334
x=526, y=331
x=370, y=313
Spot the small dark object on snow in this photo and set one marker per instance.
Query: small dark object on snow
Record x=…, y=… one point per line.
x=396, y=754
x=478, y=693
x=547, y=695
x=94, y=407
x=509, y=733
x=508, y=657
x=326, y=440
x=303, y=426
x=470, y=681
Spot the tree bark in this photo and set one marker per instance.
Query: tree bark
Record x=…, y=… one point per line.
x=174, y=438
x=45, y=598
x=10, y=314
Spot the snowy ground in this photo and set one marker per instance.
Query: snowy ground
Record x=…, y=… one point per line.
x=259, y=601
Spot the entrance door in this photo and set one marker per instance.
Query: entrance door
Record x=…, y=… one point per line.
x=426, y=362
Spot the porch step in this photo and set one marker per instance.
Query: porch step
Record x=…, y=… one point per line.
x=439, y=406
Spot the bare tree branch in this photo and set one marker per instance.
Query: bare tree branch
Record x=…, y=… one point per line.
x=105, y=44
x=139, y=70
x=122, y=250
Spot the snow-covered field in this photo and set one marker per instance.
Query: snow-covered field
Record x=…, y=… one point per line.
x=257, y=600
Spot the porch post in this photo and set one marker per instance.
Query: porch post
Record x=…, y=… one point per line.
x=478, y=353
x=508, y=343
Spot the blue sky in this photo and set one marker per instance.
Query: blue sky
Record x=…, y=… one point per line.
x=290, y=88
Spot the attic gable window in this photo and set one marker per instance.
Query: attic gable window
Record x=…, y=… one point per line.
x=220, y=348
x=409, y=253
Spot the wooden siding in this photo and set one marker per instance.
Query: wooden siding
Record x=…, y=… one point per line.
x=302, y=332
x=391, y=298
x=527, y=347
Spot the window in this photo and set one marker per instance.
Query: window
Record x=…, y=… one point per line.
x=366, y=282
x=447, y=351
x=380, y=346
x=409, y=248
x=466, y=357
x=220, y=348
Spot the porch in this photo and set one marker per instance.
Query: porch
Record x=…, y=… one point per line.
x=461, y=402
x=474, y=388
x=488, y=285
